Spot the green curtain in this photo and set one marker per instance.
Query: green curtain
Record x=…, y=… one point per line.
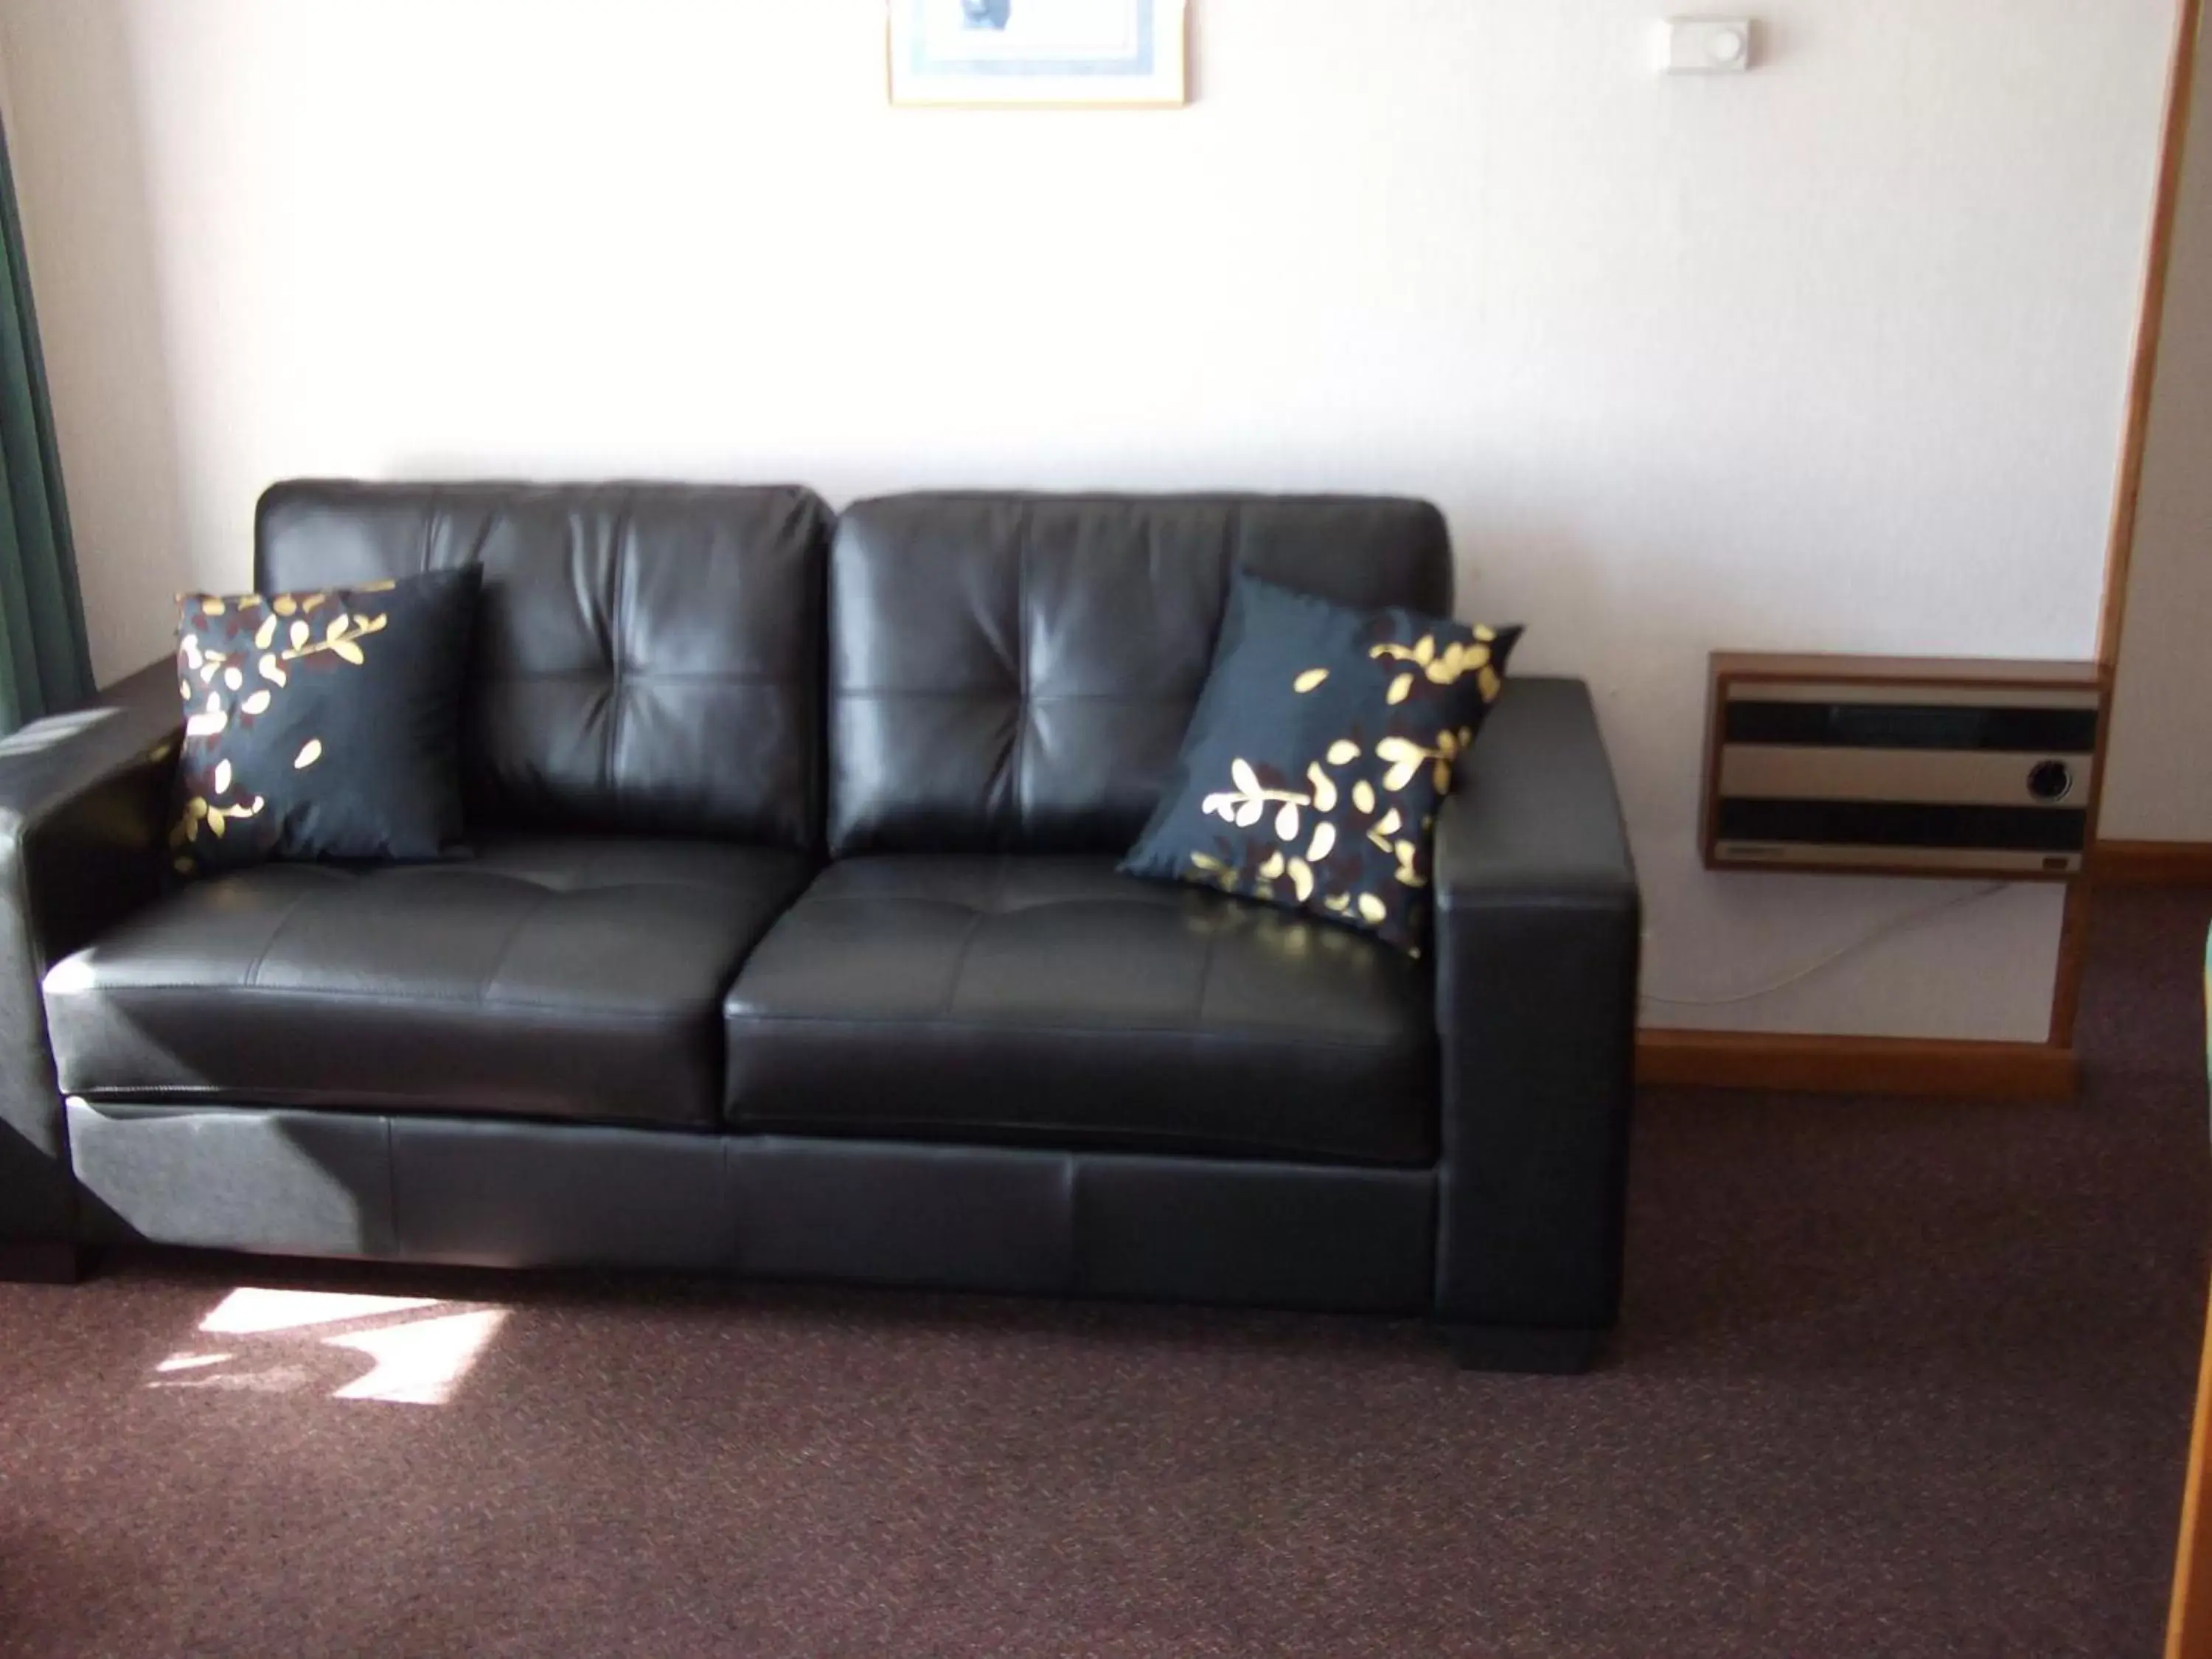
x=44, y=664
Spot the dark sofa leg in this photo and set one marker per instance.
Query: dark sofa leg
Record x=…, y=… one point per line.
x=42, y=1264
x=1537, y=1350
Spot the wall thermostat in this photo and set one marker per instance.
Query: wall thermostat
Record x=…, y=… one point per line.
x=1705, y=46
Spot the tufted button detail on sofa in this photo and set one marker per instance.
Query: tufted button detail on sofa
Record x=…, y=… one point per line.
x=647, y=656
x=1014, y=673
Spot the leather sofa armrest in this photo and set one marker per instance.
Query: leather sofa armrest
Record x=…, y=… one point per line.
x=83, y=802
x=1537, y=938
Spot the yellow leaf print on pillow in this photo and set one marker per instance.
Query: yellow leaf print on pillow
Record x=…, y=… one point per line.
x=262, y=650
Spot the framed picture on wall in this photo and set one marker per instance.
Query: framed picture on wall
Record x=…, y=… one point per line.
x=1120, y=53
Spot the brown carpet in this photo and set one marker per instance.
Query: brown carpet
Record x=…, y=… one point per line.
x=1897, y=1379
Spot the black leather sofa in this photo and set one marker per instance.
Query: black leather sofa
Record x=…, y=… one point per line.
x=792, y=944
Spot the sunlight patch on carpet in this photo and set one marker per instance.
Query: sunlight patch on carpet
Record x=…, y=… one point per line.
x=250, y=1310
x=418, y=1364
x=191, y=1362
x=395, y=1350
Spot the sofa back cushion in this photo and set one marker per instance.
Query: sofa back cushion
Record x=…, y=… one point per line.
x=1014, y=673
x=647, y=657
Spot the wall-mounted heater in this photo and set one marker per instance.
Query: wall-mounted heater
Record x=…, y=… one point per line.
x=1901, y=766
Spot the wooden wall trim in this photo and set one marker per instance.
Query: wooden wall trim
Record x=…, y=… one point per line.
x=2073, y=946
x=2151, y=864
x=1854, y=1065
x=2127, y=489
x=2150, y=324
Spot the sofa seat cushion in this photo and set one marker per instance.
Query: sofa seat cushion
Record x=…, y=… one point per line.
x=576, y=979
x=1048, y=1001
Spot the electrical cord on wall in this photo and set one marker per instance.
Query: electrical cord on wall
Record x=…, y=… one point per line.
x=1890, y=929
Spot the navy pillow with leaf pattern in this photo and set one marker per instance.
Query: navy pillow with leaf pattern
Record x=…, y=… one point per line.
x=1319, y=751
x=322, y=725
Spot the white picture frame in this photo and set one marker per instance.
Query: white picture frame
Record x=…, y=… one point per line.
x=1118, y=54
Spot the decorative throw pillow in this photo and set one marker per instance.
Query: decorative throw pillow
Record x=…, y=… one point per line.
x=1319, y=751
x=322, y=725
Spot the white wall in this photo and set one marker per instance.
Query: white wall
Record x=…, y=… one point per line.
x=1828, y=356
x=2159, y=784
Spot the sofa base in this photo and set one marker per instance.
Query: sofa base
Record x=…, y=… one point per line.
x=483, y=1193
x=42, y=1264
x=1531, y=1349
x=1006, y=1221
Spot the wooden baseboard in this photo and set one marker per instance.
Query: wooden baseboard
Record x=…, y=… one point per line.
x=2151, y=864
x=1854, y=1064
